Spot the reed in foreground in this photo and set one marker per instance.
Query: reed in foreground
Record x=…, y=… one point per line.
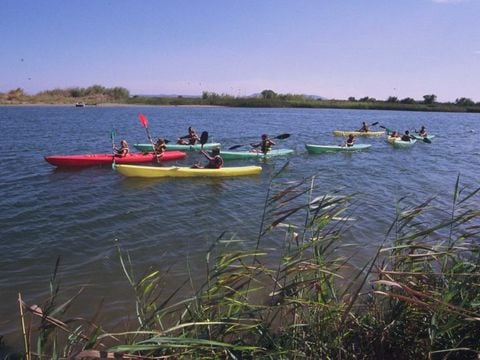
x=417, y=297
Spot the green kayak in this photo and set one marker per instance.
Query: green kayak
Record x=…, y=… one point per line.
x=422, y=138
x=196, y=147
x=239, y=155
x=317, y=149
x=399, y=143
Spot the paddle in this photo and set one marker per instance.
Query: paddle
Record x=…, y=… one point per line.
x=280, y=137
x=143, y=119
x=112, y=136
x=425, y=139
x=386, y=129
x=203, y=138
x=203, y=141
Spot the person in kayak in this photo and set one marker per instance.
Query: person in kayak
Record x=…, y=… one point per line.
x=350, y=140
x=160, y=146
x=406, y=136
x=265, y=145
x=364, y=127
x=122, y=151
x=190, y=139
x=215, y=161
x=423, y=132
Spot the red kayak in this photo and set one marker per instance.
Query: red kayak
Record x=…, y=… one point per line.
x=107, y=159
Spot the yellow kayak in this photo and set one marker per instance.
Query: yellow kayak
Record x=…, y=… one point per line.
x=358, y=133
x=183, y=171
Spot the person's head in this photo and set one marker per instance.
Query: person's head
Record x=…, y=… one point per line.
x=160, y=141
x=264, y=136
x=124, y=143
x=423, y=128
x=407, y=132
x=364, y=123
x=191, y=130
x=215, y=151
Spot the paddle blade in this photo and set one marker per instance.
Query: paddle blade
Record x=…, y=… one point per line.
x=375, y=123
x=143, y=120
x=387, y=129
x=112, y=135
x=204, y=138
x=234, y=147
x=282, y=136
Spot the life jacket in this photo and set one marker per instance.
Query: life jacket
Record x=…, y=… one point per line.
x=266, y=146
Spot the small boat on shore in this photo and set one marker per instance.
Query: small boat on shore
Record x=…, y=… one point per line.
x=85, y=160
x=183, y=171
x=80, y=104
x=318, y=149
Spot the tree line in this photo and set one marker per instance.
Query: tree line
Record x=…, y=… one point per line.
x=266, y=98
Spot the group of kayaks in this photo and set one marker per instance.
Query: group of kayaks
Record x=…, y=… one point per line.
x=135, y=164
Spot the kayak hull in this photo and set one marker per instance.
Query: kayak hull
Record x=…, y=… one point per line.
x=196, y=147
x=421, y=138
x=399, y=144
x=242, y=155
x=85, y=160
x=179, y=171
x=318, y=149
x=358, y=133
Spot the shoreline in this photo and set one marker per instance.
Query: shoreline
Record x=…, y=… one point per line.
x=103, y=105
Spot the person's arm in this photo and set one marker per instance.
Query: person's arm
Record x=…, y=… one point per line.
x=207, y=155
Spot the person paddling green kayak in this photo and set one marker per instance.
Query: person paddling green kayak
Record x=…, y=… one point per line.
x=265, y=145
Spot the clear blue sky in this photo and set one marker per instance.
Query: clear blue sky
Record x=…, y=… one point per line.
x=331, y=48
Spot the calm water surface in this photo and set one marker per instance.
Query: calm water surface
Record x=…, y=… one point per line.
x=80, y=215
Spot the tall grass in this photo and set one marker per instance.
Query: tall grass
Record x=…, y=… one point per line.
x=417, y=297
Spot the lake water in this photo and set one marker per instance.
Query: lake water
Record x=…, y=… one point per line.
x=80, y=215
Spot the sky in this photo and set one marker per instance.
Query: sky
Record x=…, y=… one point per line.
x=335, y=49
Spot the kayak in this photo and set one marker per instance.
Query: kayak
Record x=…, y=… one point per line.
x=317, y=149
x=239, y=155
x=398, y=143
x=418, y=137
x=183, y=171
x=358, y=133
x=107, y=159
x=196, y=147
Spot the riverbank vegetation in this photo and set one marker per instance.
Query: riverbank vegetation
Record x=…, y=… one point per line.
x=97, y=94
x=418, y=297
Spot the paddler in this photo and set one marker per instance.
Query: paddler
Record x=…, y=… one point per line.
x=350, y=140
x=215, y=161
x=265, y=145
x=190, y=139
x=122, y=151
x=364, y=127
